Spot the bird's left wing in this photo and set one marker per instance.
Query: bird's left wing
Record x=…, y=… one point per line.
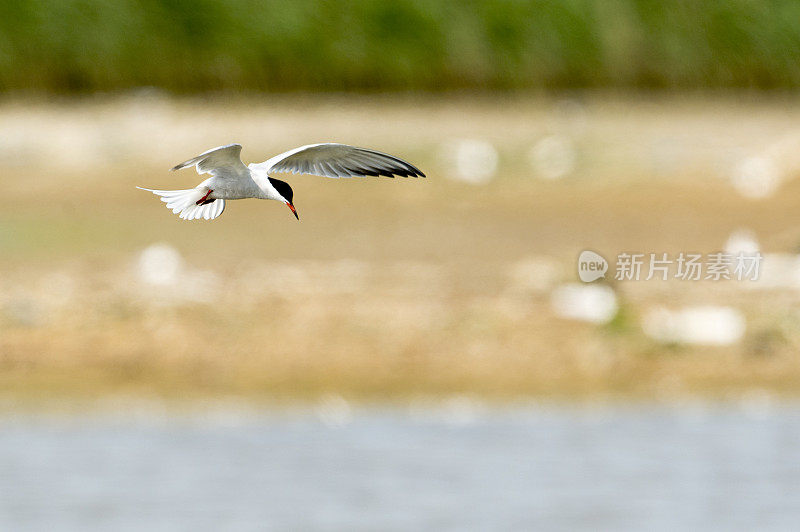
x=339, y=160
x=223, y=161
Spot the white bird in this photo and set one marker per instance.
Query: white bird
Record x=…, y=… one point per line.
x=231, y=179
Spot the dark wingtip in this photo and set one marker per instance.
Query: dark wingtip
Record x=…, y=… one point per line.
x=413, y=171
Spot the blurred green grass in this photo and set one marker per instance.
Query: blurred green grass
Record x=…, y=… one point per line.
x=67, y=46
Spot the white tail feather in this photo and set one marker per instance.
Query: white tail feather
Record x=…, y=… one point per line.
x=184, y=203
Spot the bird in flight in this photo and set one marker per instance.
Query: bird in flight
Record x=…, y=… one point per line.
x=231, y=179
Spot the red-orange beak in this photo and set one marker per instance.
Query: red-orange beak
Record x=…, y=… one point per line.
x=293, y=209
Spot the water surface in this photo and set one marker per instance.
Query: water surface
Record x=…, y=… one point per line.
x=554, y=468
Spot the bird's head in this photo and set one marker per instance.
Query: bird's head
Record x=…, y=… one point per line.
x=285, y=192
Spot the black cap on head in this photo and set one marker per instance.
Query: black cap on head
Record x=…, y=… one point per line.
x=285, y=191
x=283, y=188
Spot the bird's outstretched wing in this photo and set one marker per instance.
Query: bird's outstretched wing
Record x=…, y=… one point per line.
x=339, y=160
x=223, y=161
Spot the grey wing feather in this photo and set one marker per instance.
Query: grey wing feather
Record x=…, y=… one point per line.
x=223, y=161
x=339, y=160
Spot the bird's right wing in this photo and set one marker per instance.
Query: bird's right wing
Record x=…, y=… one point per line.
x=339, y=160
x=223, y=161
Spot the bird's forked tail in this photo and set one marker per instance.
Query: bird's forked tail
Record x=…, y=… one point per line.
x=184, y=203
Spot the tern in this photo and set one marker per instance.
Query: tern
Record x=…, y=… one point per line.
x=231, y=179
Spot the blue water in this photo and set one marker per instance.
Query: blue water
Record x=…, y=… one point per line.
x=553, y=468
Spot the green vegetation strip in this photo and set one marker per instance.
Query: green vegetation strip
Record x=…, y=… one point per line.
x=73, y=46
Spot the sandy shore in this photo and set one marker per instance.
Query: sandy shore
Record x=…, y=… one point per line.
x=391, y=288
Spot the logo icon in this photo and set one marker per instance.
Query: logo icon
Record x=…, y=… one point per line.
x=591, y=266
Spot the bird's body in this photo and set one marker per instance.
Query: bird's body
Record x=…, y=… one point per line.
x=243, y=187
x=231, y=179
